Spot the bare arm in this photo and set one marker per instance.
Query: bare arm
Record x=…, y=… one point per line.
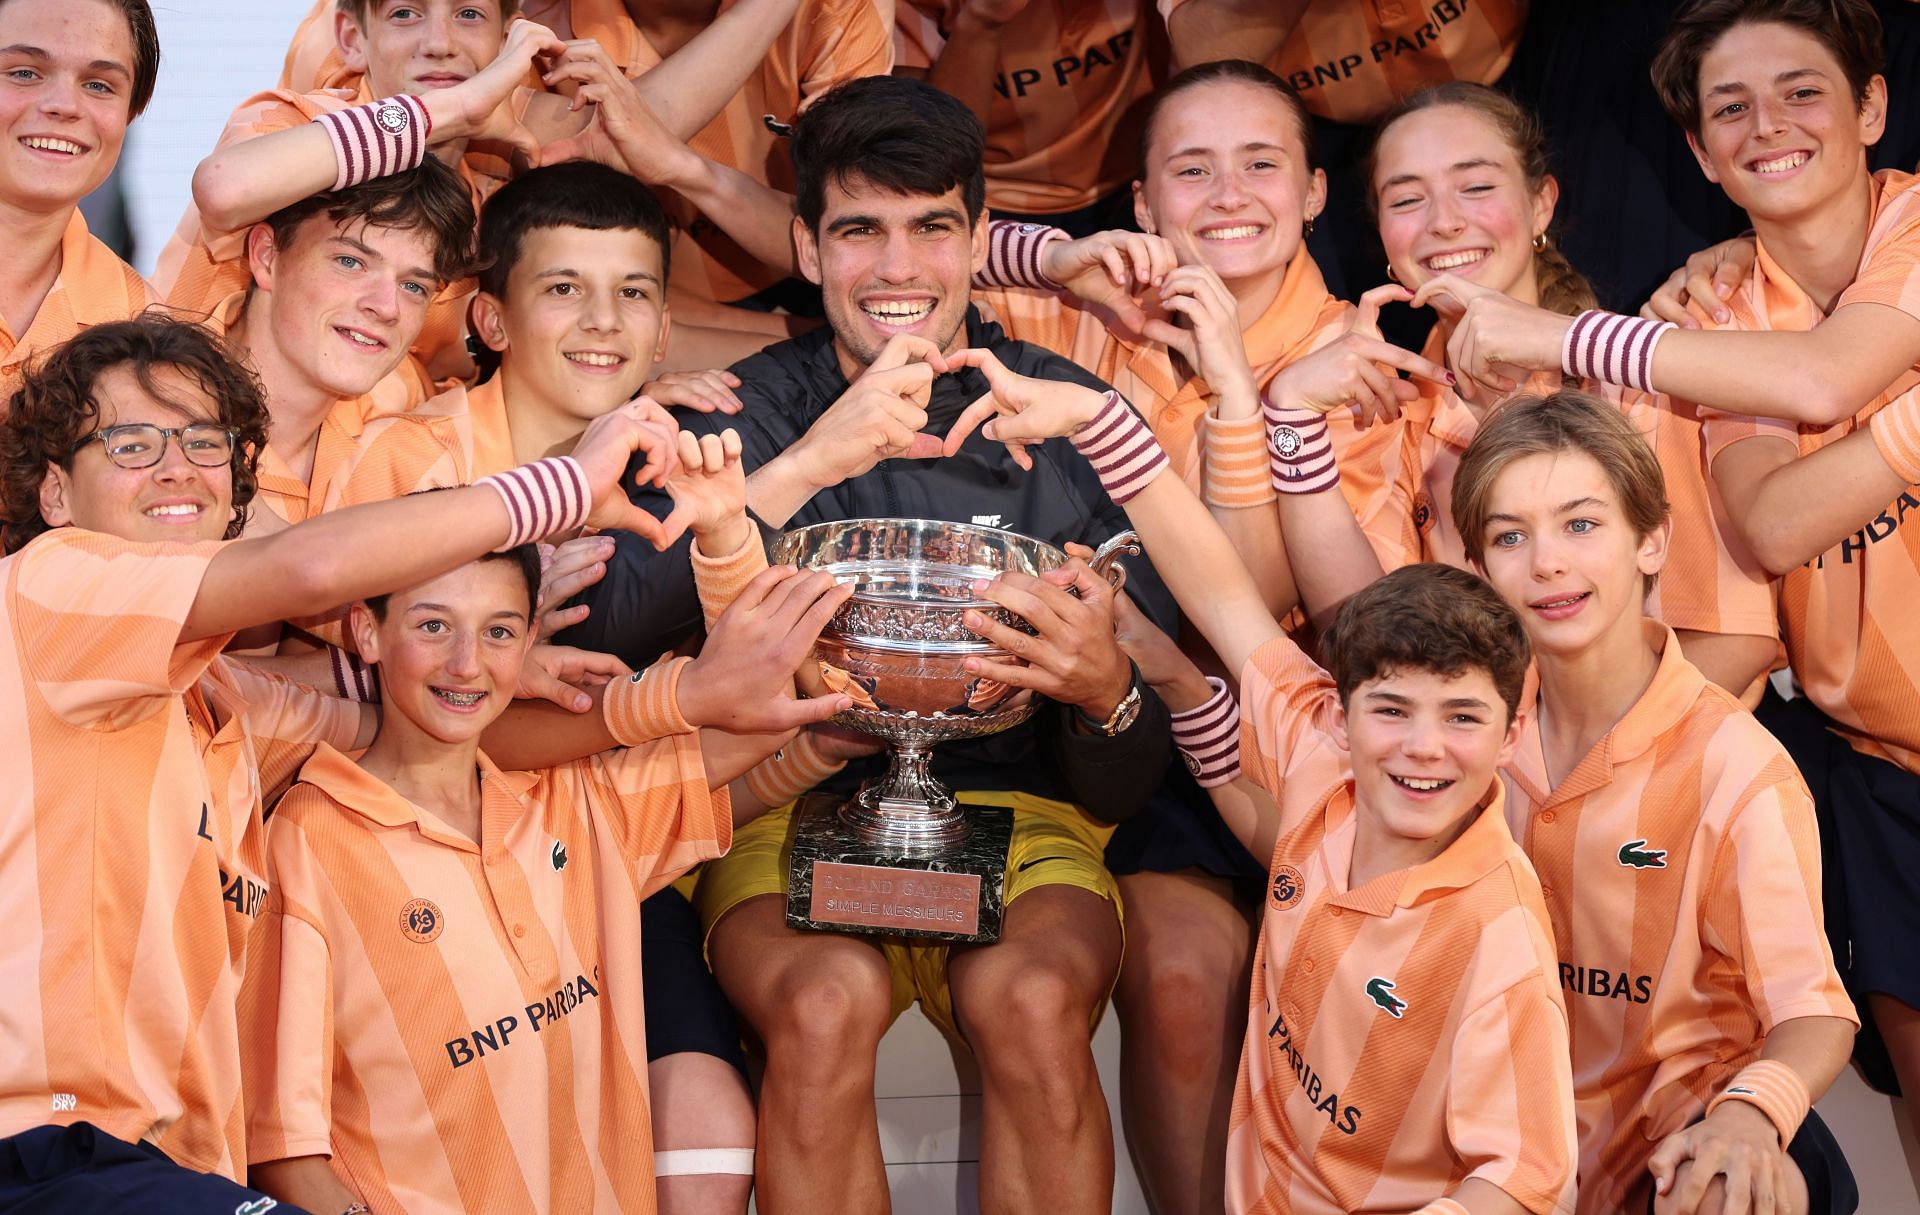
x=1734, y=661
x=697, y=81
x=1204, y=30
x=1817, y=377
x=1788, y=508
x=971, y=57
x=243, y=183
x=307, y=1182
x=1481, y=1197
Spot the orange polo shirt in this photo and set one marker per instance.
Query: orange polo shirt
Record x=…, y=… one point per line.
x=454, y=438
x=460, y=1024
x=1710, y=582
x=94, y=286
x=827, y=41
x=1402, y=1036
x=132, y=851
x=1058, y=130
x=1847, y=616
x=1353, y=60
x=1302, y=318
x=202, y=266
x=1681, y=868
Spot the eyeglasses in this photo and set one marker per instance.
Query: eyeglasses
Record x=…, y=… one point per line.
x=141, y=444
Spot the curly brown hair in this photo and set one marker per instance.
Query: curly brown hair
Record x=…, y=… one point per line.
x=54, y=410
x=1427, y=618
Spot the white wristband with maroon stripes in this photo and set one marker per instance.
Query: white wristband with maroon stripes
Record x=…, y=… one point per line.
x=378, y=138
x=1612, y=348
x=1209, y=737
x=1120, y=448
x=544, y=497
x=1299, y=449
x=1013, y=255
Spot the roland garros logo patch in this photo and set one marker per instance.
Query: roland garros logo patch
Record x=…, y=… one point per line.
x=1287, y=886
x=421, y=921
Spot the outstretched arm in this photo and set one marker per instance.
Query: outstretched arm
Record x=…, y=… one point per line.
x=697, y=81
x=349, y=554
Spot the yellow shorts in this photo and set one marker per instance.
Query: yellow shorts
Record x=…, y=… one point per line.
x=1054, y=844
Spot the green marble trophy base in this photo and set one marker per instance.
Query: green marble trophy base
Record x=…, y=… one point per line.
x=840, y=881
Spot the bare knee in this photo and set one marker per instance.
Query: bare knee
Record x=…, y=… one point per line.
x=827, y=1015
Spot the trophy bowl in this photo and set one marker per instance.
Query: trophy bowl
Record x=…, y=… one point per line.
x=898, y=646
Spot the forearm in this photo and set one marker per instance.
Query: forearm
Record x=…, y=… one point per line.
x=242, y=183
x=1202, y=31
x=692, y=85
x=1789, y=509
x=1817, y=377
x=757, y=217
x=969, y=62
x=1198, y=563
x=1816, y=1048
x=729, y=757
x=1332, y=559
x=1256, y=536
x=307, y=1182
x=699, y=347
x=779, y=488
x=345, y=555
x=1481, y=1197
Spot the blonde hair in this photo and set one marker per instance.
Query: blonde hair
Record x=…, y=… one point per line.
x=1563, y=421
x=1562, y=288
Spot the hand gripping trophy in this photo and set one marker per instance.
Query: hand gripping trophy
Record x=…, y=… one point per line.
x=902, y=857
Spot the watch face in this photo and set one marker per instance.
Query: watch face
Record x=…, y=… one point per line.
x=1128, y=715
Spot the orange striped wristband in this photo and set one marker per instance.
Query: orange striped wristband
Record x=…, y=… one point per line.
x=1234, y=469
x=790, y=771
x=1443, y=1206
x=1776, y=1089
x=646, y=705
x=719, y=580
x=1896, y=432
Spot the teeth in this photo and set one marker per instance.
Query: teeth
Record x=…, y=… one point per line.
x=185, y=508
x=1560, y=603
x=596, y=360
x=1791, y=160
x=361, y=339
x=1450, y=261
x=1422, y=786
x=463, y=699
x=1239, y=233
x=49, y=144
x=897, y=310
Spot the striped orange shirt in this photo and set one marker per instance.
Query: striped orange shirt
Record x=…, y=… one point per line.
x=132, y=853
x=1681, y=868
x=1445, y=971
x=460, y=1025
x=1059, y=132
x=1847, y=616
x=94, y=286
x=453, y=438
x=828, y=41
x=1302, y=318
x=1710, y=582
x=202, y=266
x=1352, y=60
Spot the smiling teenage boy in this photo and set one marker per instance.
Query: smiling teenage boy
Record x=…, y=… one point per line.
x=125, y=460
x=891, y=223
x=76, y=75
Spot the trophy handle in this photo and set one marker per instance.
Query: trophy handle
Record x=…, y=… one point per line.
x=1106, y=559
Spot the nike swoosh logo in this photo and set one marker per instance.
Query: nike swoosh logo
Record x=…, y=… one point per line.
x=1026, y=865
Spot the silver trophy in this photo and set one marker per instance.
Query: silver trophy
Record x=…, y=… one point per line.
x=902, y=856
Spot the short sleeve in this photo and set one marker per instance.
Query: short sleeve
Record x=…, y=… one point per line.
x=286, y=1031
x=846, y=39
x=286, y=721
x=1764, y=909
x=1286, y=728
x=1720, y=430
x=1510, y=1096
x=1890, y=272
x=98, y=619
x=654, y=798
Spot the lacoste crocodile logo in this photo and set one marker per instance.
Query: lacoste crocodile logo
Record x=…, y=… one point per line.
x=1380, y=991
x=558, y=857
x=1635, y=854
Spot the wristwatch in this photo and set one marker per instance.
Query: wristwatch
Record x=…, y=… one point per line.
x=1124, y=714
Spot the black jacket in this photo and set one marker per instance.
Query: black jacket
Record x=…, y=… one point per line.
x=646, y=603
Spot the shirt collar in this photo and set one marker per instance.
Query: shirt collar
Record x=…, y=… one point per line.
x=359, y=792
x=1483, y=847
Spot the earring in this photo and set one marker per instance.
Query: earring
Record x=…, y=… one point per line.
x=1391, y=274
x=1306, y=229
x=1540, y=243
